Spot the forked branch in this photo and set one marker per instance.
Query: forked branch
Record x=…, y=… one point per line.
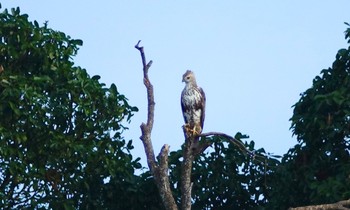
x=159, y=169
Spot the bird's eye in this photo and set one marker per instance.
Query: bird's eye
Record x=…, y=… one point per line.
x=188, y=77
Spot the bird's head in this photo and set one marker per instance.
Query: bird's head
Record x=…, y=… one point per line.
x=188, y=77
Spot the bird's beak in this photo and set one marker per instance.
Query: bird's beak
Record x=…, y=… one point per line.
x=183, y=80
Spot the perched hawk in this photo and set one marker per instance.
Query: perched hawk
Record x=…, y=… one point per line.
x=192, y=104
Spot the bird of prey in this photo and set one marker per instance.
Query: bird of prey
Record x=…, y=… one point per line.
x=193, y=105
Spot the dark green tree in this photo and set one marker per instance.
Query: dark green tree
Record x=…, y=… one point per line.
x=60, y=129
x=317, y=169
x=135, y=193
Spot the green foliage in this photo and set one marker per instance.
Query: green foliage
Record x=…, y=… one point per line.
x=60, y=129
x=135, y=193
x=317, y=169
x=61, y=144
x=227, y=177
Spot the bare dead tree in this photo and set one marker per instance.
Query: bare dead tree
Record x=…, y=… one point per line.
x=159, y=169
x=340, y=205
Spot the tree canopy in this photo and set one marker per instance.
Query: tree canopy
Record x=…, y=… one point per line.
x=317, y=169
x=60, y=129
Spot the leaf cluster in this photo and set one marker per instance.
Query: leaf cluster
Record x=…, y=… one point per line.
x=60, y=129
x=317, y=169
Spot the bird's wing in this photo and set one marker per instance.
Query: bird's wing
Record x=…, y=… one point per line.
x=183, y=107
x=202, y=106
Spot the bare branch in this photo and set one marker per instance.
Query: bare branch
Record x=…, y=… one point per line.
x=341, y=205
x=158, y=170
x=186, y=171
x=149, y=87
x=146, y=129
x=233, y=140
x=162, y=178
x=205, y=143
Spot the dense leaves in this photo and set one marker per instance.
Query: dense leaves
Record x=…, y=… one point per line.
x=135, y=193
x=60, y=129
x=317, y=169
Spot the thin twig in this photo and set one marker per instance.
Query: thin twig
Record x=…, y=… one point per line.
x=231, y=139
x=238, y=143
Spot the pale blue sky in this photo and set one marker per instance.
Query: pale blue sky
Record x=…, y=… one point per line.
x=252, y=58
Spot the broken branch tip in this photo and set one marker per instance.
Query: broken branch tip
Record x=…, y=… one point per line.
x=137, y=45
